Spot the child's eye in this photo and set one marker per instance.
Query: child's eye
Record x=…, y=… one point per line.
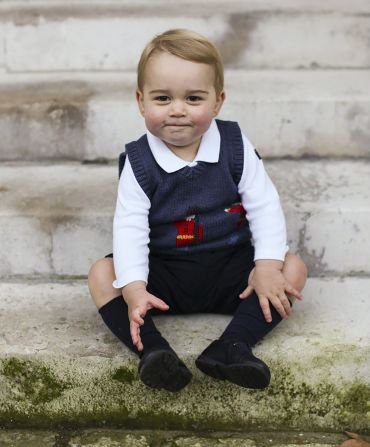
x=193, y=98
x=162, y=98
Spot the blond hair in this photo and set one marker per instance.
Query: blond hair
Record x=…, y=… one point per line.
x=187, y=45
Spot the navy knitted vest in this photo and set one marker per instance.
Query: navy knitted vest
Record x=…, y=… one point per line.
x=195, y=208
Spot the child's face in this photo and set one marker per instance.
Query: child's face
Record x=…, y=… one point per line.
x=178, y=102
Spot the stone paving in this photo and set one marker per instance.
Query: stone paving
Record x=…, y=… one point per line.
x=122, y=438
x=59, y=364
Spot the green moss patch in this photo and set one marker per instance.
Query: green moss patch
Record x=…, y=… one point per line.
x=32, y=380
x=108, y=392
x=125, y=375
x=356, y=398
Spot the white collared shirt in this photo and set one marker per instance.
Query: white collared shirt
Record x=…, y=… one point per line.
x=131, y=219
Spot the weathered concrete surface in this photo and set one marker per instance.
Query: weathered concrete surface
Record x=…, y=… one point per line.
x=109, y=41
x=57, y=219
x=2, y=52
x=85, y=8
x=61, y=365
x=156, y=438
x=90, y=116
x=22, y=438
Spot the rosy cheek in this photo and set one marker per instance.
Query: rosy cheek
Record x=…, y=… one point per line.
x=203, y=117
x=153, y=119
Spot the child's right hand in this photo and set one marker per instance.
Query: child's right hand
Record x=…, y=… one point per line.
x=139, y=301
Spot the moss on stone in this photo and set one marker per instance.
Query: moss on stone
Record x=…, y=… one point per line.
x=110, y=394
x=33, y=380
x=356, y=398
x=125, y=375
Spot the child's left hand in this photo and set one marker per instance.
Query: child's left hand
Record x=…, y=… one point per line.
x=269, y=283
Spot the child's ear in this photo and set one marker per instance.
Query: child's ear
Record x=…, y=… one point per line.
x=140, y=101
x=219, y=101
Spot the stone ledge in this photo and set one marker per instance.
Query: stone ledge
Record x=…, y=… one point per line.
x=90, y=116
x=50, y=215
x=91, y=7
x=61, y=365
x=157, y=438
x=62, y=39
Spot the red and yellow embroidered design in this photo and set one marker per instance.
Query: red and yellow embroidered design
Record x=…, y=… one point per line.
x=238, y=208
x=190, y=231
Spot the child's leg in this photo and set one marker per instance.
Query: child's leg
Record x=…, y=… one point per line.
x=113, y=308
x=248, y=323
x=159, y=365
x=230, y=357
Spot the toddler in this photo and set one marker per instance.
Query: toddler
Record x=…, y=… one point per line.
x=198, y=226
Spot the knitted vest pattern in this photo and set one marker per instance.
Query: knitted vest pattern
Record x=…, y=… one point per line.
x=196, y=208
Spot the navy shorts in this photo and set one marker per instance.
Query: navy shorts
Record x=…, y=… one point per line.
x=201, y=282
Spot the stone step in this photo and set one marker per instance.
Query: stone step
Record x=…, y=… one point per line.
x=103, y=36
x=85, y=116
x=159, y=438
x=60, y=366
x=57, y=219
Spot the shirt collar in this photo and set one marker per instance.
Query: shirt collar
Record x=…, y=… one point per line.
x=209, y=150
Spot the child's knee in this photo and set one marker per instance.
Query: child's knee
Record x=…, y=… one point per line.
x=100, y=273
x=295, y=271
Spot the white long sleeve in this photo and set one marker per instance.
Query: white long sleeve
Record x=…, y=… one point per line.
x=131, y=225
x=130, y=231
x=261, y=201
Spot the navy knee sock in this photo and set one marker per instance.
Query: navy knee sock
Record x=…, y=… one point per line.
x=248, y=323
x=114, y=314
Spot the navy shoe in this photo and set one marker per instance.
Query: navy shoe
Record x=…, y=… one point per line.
x=162, y=369
x=233, y=360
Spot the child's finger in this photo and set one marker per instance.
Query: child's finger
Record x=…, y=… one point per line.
x=139, y=344
x=246, y=292
x=292, y=291
x=286, y=304
x=265, y=306
x=134, y=331
x=275, y=301
x=158, y=303
x=137, y=315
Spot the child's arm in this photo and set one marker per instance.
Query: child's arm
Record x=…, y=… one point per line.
x=131, y=252
x=267, y=224
x=130, y=230
x=270, y=284
x=139, y=301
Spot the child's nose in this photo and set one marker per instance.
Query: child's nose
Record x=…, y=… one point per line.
x=177, y=108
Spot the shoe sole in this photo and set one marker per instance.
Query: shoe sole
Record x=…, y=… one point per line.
x=162, y=370
x=247, y=374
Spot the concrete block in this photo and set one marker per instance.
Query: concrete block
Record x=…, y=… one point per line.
x=64, y=225
x=20, y=438
x=25, y=245
x=59, y=8
x=340, y=236
x=112, y=122
x=62, y=365
x=79, y=242
x=247, y=39
x=301, y=113
x=92, y=43
x=280, y=41
x=113, y=438
x=284, y=113
x=2, y=46
x=327, y=210
x=42, y=121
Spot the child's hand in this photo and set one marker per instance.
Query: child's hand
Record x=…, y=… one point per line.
x=270, y=284
x=139, y=301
